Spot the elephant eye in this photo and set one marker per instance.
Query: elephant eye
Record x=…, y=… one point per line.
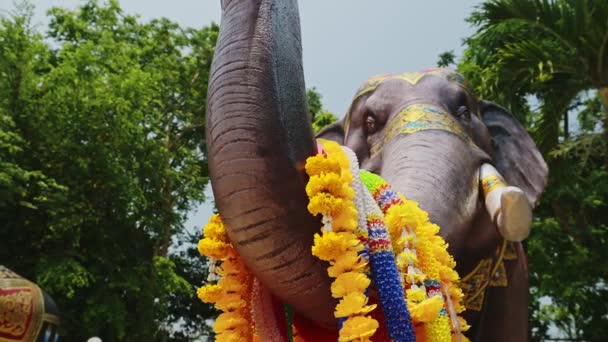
x=463, y=113
x=370, y=124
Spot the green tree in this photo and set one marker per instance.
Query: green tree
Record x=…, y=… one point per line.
x=102, y=156
x=555, y=49
x=313, y=98
x=446, y=59
x=556, y=53
x=320, y=117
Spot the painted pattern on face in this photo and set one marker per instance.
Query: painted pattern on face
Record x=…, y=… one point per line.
x=410, y=77
x=416, y=118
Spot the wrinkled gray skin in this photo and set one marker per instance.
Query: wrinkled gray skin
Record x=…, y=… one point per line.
x=259, y=135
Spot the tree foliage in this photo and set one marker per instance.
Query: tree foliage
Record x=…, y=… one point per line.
x=101, y=157
x=547, y=61
x=320, y=117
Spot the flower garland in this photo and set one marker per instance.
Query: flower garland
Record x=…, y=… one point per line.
x=423, y=260
x=370, y=235
x=232, y=293
x=394, y=225
x=385, y=275
x=263, y=313
x=340, y=243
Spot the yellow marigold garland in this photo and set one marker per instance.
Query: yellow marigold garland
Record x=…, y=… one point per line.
x=331, y=195
x=422, y=258
x=429, y=279
x=232, y=292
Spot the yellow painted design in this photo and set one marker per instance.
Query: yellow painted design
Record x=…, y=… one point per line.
x=492, y=182
x=371, y=84
x=21, y=308
x=410, y=77
x=15, y=310
x=491, y=272
x=416, y=118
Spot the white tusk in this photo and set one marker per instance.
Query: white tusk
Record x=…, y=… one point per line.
x=507, y=205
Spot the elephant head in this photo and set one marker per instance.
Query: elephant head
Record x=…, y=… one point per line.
x=429, y=136
x=259, y=135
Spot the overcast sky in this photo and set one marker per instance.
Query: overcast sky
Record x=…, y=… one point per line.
x=344, y=41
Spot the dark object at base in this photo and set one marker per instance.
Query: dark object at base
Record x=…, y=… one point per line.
x=26, y=312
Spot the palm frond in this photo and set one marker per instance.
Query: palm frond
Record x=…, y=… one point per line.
x=578, y=25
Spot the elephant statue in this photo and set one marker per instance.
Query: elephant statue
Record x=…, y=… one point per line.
x=467, y=162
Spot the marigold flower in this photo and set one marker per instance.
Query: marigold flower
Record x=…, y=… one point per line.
x=444, y=257
x=415, y=295
x=232, y=265
x=331, y=245
x=349, y=282
x=334, y=150
x=415, y=278
x=464, y=326
x=428, y=229
x=456, y=294
x=209, y=293
x=358, y=328
x=346, y=219
x=231, y=284
x=325, y=204
x=319, y=164
x=353, y=303
x=229, y=321
x=230, y=302
x=426, y=310
x=447, y=275
x=406, y=214
x=215, y=229
x=406, y=258
x=349, y=261
x=213, y=248
x=330, y=183
x=347, y=177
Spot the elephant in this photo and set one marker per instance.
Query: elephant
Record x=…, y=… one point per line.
x=259, y=135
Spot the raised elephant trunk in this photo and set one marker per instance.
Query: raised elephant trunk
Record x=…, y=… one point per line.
x=258, y=136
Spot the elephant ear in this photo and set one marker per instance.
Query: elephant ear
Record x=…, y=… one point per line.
x=334, y=132
x=516, y=156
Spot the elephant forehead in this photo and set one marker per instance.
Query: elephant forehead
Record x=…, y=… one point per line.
x=412, y=78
